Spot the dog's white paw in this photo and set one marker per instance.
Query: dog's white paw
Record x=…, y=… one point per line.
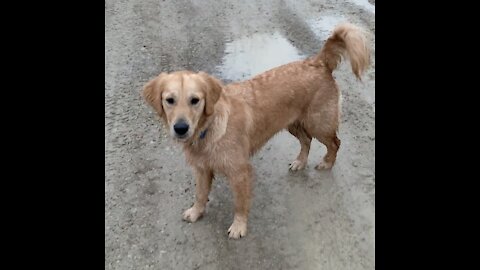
x=238, y=229
x=324, y=166
x=192, y=214
x=297, y=165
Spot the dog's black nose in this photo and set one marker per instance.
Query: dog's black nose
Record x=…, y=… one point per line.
x=180, y=127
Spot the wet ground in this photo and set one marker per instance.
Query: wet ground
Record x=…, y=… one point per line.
x=303, y=220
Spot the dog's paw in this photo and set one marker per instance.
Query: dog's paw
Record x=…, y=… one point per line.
x=297, y=165
x=324, y=166
x=238, y=229
x=192, y=214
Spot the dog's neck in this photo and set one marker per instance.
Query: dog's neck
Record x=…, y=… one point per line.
x=212, y=130
x=203, y=133
x=198, y=138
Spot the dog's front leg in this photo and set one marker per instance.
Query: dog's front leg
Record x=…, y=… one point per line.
x=203, y=184
x=241, y=183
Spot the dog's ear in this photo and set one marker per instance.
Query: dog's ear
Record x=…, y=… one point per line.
x=213, y=91
x=152, y=93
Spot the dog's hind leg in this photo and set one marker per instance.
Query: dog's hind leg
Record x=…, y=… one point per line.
x=297, y=130
x=323, y=125
x=332, y=143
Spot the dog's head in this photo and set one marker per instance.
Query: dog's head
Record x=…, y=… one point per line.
x=183, y=99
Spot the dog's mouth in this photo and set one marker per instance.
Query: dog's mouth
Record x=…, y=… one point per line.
x=181, y=137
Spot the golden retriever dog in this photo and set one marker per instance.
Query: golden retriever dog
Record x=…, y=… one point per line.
x=222, y=126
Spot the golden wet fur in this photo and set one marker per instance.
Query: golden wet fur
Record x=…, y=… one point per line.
x=227, y=124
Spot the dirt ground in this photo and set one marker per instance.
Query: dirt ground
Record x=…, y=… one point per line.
x=302, y=220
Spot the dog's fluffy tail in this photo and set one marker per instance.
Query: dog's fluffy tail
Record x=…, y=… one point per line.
x=348, y=41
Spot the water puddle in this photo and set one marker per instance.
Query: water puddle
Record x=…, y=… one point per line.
x=254, y=54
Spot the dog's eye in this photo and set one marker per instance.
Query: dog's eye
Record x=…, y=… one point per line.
x=170, y=100
x=194, y=101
